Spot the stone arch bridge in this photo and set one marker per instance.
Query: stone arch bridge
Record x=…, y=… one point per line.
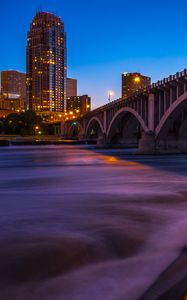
x=153, y=120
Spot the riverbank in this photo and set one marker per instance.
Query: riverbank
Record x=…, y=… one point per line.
x=172, y=283
x=16, y=140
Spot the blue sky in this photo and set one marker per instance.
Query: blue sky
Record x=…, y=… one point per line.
x=104, y=39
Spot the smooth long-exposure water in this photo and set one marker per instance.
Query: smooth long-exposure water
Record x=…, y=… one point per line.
x=79, y=224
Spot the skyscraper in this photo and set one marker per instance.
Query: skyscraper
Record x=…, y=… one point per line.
x=46, y=64
x=134, y=82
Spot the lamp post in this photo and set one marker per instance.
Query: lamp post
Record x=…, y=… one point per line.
x=36, y=129
x=110, y=94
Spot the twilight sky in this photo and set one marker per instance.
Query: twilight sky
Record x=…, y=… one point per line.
x=104, y=39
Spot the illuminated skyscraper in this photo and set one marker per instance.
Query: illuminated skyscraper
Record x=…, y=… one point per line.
x=46, y=64
x=134, y=82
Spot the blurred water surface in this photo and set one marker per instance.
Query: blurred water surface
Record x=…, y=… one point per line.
x=78, y=224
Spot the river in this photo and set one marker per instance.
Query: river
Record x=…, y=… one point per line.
x=78, y=223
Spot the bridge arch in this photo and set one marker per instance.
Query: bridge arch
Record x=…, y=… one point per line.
x=74, y=128
x=92, y=123
x=128, y=112
x=171, y=115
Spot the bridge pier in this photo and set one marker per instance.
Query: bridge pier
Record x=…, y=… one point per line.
x=82, y=137
x=102, y=140
x=147, y=144
x=182, y=146
x=182, y=138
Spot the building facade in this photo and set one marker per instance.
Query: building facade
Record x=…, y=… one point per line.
x=79, y=105
x=12, y=105
x=134, y=82
x=46, y=64
x=13, y=84
x=13, y=92
x=71, y=87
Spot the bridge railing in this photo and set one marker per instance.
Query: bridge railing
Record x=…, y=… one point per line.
x=139, y=93
x=171, y=78
x=117, y=101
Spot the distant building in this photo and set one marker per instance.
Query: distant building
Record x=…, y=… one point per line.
x=71, y=87
x=13, y=92
x=13, y=84
x=11, y=104
x=134, y=82
x=46, y=64
x=78, y=105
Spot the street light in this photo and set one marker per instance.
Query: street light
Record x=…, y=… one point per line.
x=36, y=129
x=110, y=94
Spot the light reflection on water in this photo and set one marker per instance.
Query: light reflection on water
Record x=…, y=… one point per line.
x=81, y=224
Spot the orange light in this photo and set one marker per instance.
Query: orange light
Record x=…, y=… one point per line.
x=137, y=79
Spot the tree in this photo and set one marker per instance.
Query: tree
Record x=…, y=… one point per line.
x=23, y=123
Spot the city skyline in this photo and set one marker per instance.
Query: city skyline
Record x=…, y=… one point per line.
x=96, y=64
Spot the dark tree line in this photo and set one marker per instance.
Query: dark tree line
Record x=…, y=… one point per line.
x=25, y=123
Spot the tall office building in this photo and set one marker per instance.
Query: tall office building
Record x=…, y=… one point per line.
x=13, y=84
x=71, y=87
x=46, y=64
x=134, y=82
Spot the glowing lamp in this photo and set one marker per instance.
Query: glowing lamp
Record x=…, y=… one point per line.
x=110, y=95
